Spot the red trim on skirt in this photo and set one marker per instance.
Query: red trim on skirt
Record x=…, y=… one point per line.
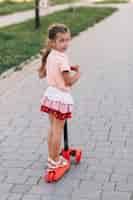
x=57, y=114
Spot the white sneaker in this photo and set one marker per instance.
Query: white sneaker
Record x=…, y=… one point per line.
x=56, y=164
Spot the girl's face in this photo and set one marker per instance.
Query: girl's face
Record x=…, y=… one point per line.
x=62, y=41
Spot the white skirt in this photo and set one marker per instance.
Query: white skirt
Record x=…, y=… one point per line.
x=58, y=102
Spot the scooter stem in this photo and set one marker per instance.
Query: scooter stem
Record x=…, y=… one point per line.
x=66, y=146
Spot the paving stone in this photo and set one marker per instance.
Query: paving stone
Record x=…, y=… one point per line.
x=116, y=195
x=21, y=188
x=15, y=197
x=31, y=197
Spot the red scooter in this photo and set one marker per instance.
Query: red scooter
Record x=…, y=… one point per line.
x=56, y=174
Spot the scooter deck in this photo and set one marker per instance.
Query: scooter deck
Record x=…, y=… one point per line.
x=55, y=175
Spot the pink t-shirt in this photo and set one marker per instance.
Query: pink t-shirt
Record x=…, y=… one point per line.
x=57, y=62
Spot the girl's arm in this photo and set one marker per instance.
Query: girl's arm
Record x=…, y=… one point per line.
x=71, y=79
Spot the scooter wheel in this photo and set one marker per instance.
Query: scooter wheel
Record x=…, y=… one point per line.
x=78, y=156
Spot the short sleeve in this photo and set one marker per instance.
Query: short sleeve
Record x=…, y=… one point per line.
x=64, y=64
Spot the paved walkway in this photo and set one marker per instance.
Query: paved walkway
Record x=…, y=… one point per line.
x=102, y=123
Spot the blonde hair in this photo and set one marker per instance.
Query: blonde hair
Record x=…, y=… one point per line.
x=53, y=30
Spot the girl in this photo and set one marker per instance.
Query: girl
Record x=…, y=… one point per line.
x=57, y=100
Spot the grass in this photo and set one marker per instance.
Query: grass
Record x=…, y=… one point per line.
x=9, y=7
x=20, y=42
x=111, y=1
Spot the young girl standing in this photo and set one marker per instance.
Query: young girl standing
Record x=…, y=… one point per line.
x=57, y=100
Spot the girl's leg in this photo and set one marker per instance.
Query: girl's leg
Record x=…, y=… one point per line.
x=50, y=135
x=57, y=128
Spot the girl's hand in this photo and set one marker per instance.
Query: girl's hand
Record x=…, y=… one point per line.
x=75, y=68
